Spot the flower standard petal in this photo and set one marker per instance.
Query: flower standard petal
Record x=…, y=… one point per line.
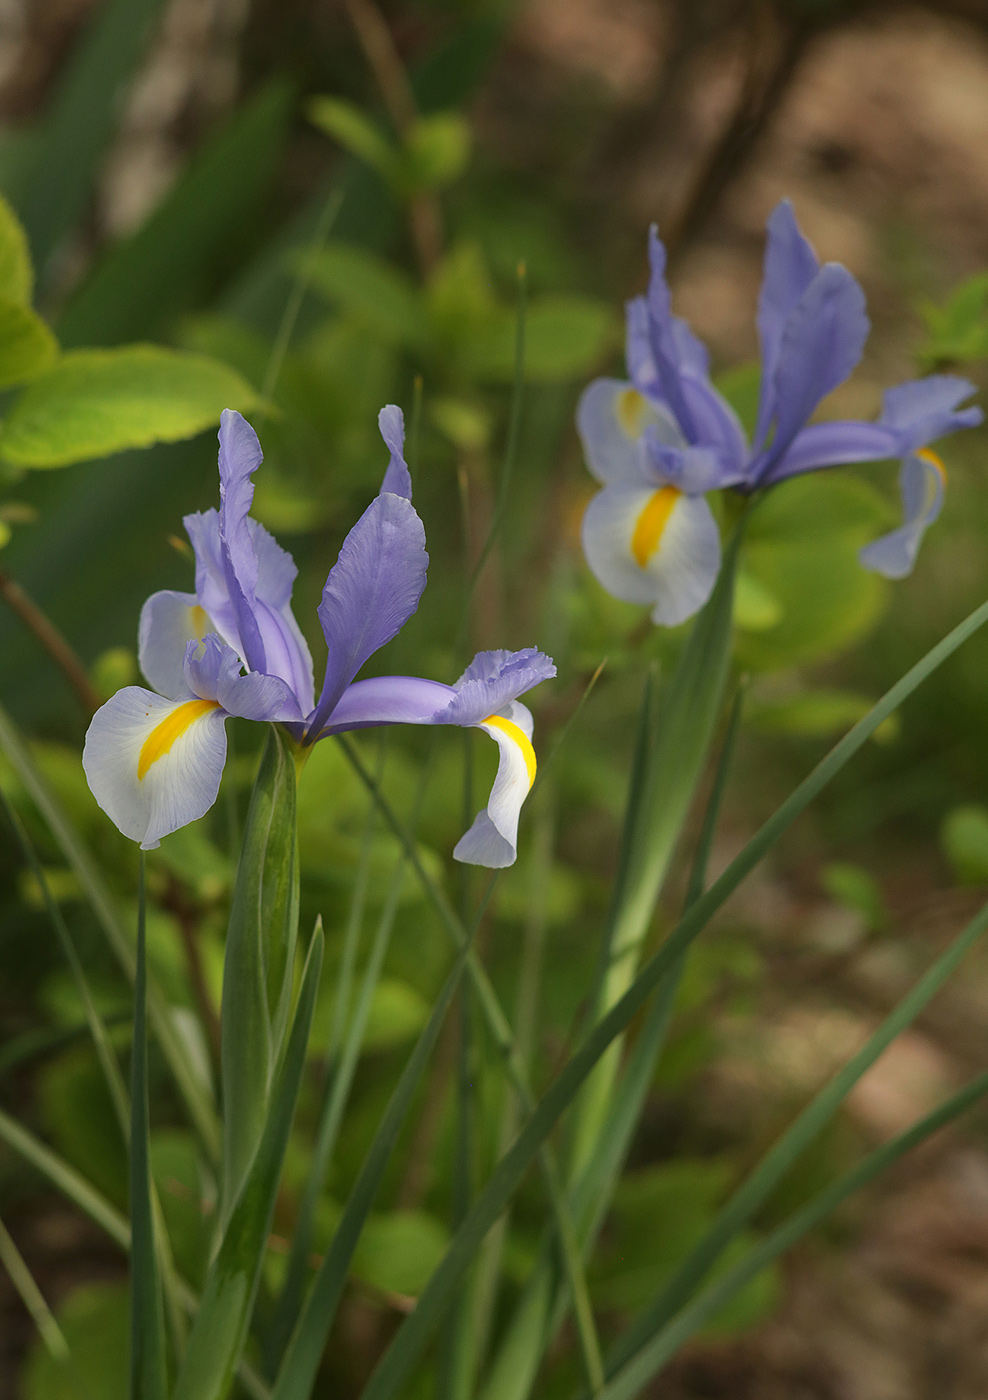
x=372, y=590
x=493, y=838
x=921, y=482
x=169, y=621
x=789, y=268
x=154, y=765
x=240, y=456
x=397, y=478
x=658, y=547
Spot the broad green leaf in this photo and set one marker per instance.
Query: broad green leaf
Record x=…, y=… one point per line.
x=219, y=1332
x=436, y=151
x=16, y=272
x=143, y=282
x=260, y=952
x=802, y=546
x=97, y=402
x=95, y=1320
x=964, y=841
x=357, y=134
x=27, y=346
x=958, y=330
x=565, y=338
x=367, y=285
x=816, y=714
x=399, y=1250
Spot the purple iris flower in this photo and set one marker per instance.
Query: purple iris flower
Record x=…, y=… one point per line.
x=154, y=758
x=658, y=443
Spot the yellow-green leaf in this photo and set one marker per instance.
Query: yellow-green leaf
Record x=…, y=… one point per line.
x=27, y=346
x=357, y=134
x=16, y=272
x=96, y=402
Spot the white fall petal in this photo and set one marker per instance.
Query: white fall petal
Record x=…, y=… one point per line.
x=493, y=838
x=611, y=418
x=154, y=764
x=655, y=546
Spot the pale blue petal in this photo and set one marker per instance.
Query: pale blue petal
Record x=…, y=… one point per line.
x=611, y=418
x=397, y=478
x=389, y=700
x=372, y=590
x=790, y=266
x=212, y=672
x=693, y=470
x=240, y=455
x=169, y=621
x=833, y=444
x=493, y=680
x=922, y=410
x=178, y=787
x=286, y=651
x=921, y=486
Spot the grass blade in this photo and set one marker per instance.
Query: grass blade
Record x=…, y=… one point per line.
x=220, y=1328
x=652, y=1357
x=298, y=1370
x=32, y=1297
x=147, y=1323
x=193, y=1092
x=412, y=1336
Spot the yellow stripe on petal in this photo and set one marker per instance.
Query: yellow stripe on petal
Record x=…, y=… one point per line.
x=519, y=737
x=171, y=728
x=934, y=461
x=630, y=412
x=199, y=623
x=652, y=522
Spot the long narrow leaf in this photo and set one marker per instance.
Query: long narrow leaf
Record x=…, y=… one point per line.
x=147, y=1322
x=639, y=1371
x=31, y=1296
x=194, y=1093
x=414, y=1333
x=220, y=1330
x=298, y=1370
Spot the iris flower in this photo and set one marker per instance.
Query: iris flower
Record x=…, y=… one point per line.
x=154, y=758
x=659, y=443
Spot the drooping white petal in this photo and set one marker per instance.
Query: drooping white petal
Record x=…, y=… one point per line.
x=921, y=482
x=612, y=417
x=154, y=765
x=169, y=621
x=493, y=838
x=654, y=546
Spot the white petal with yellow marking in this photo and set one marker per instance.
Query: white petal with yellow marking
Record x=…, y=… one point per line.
x=922, y=479
x=655, y=546
x=153, y=764
x=493, y=838
x=611, y=418
x=169, y=621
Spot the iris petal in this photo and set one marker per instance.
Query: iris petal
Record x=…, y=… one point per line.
x=154, y=765
x=921, y=483
x=493, y=838
x=679, y=569
x=612, y=419
x=169, y=621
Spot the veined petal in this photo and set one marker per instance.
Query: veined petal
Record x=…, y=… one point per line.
x=921, y=482
x=693, y=470
x=922, y=410
x=240, y=456
x=154, y=765
x=372, y=590
x=493, y=838
x=286, y=652
x=389, y=700
x=657, y=547
x=397, y=479
x=493, y=680
x=169, y=621
x=612, y=418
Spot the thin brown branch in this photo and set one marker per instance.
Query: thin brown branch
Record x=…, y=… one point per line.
x=384, y=60
x=52, y=640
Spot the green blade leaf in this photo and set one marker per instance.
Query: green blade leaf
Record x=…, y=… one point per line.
x=80, y=122
x=148, y=1379
x=414, y=1333
x=260, y=955
x=220, y=1330
x=27, y=346
x=636, y=1374
x=298, y=1370
x=97, y=402
x=143, y=281
x=32, y=1297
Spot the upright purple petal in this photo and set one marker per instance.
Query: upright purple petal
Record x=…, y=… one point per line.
x=372, y=590
x=821, y=344
x=286, y=651
x=240, y=455
x=790, y=266
x=397, y=478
